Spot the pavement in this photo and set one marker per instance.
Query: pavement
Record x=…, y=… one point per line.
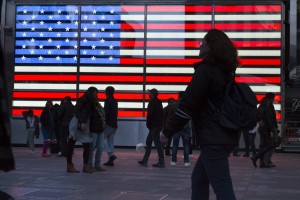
x=45, y=178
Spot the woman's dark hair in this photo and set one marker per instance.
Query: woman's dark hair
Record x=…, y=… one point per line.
x=110, y=90
x=221, y=51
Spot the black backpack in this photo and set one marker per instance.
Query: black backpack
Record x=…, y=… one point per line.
x=238, y=110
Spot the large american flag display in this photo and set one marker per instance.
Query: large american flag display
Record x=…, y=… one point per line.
x=62, y=50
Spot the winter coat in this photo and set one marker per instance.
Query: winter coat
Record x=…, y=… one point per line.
x=208, y=82
x=155, y=114
x=111, y=111
x=97, y=119
x=66, y=112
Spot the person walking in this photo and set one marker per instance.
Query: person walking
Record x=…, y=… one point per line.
x=111, y=124
x=154, y=124
x=79, y=129
x=32, y=128
x=166, y=115
x=184, y=134
x=212, y=73
x=249, y=139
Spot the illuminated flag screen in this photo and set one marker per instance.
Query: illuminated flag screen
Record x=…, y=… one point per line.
x=62, y=50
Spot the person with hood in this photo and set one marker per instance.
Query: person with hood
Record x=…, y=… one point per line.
x=32, y=128
x=219, y=61
x=154, y=124
x=79, y=129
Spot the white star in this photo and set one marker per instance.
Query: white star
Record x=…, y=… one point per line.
x=23, y=57
x=67, y=40
x=40, y=58
x=85, y=17
x=49, y=40
x=112, y=11
x=93, y=47
x=59, y=22
x=49, y=52
x=94, y=22
x=111, y=23
x=24, y=23
x=85, y=40
x=102, y=29
x=57, y=58
x=75, y=58
x=76, y=11
x=58, y=47
x=58, y=34
x=94, y=35
x=111, y=35
x=94, y=11
x=23, y=46
x=102, y=40
x=24, y=11
x=42, y=22
x=41, y=35
x=75, y=46
x=75, y=34
x=24, y=34
x=67, y=29
x=103, y=17
x=33, y=17
x=67, y=52
x=93, y=58
x=50, y=17
x=110, y=58
x=32, y=29
x=76, y=23
x=68, y=17
x=41, y=46
x=32, y=40
x=32, y=52
x=42, y=11
x=111, y=47
x=102, y=52
x=84, y=52
x=50, y=28
x=85, y=29
x=59, y=11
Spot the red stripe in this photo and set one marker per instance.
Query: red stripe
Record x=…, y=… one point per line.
x=249, y=26
x=248, y=8
x=132, y=8
x=121, y=96
x=257, y=62
x=168, y=79
x=132, y=43
x=276, y=99
x=273, y=80
x=179, y=9
x=257, y=44
x=132, y=26
x=131, y=61
x=99, y=78
x=179, y=26
x=57, y=78
x=43, y=95
x=194, y=44
x=166, y=61
x=278, y=115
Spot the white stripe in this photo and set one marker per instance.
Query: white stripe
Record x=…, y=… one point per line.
x=254, y=35
x=45, y=69
x=17, y=103
x=44, y=86
x=177, y=88
x=192, y=35
x=132, y=34
x=183, y=52
x=131, y=52
x=179, y=17
x=117, y=87
x=113, y=69
x=132, y=17
x=190, y=70
x=254, y=17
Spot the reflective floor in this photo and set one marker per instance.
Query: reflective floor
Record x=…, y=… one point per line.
x=40, y=178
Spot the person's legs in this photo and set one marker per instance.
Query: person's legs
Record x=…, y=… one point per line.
x=168, y=147
x=185, y=142
x=86, y=151
x=251, y=137
x=99, y=149
x=31, y=133
x=69, y=156
x=110, y=141
x=176, y=137
x=216, y=165
x=149, y=141
x=155, y=132
x=92, y=148
x=246, y=141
